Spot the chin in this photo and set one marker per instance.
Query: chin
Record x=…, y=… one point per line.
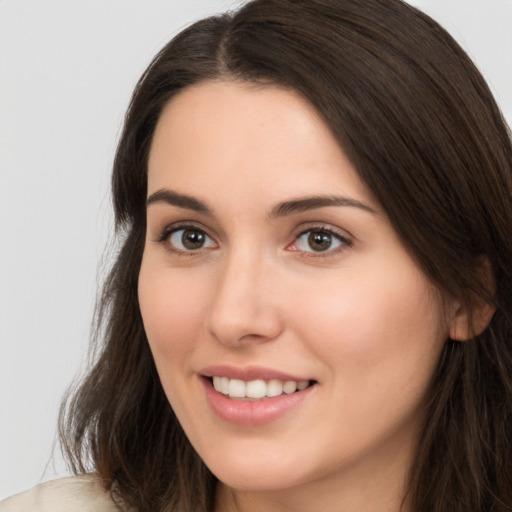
x=249, y=480
x=259, y=471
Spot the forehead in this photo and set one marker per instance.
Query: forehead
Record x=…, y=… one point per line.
x=259, y=138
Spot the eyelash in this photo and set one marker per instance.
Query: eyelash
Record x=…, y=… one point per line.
x=344, y=242
x=164, y=236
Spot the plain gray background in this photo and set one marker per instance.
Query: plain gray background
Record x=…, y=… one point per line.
x=67, y=69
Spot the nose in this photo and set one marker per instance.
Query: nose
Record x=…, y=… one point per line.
x=244, y=306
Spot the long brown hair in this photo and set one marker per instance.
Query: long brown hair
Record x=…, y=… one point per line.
x=423, y=131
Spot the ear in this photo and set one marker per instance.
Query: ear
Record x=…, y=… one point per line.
x=468, y=321
x=468, y=324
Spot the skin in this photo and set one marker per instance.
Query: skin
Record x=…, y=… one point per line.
x=359, y=318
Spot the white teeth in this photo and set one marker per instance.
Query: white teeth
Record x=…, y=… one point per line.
x=224, y=385
x=255, y=389
x=289, y=387
x=274, y=388
x=236, y=388
x=303, y=384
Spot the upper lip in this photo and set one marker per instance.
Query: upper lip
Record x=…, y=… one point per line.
x=249, y=373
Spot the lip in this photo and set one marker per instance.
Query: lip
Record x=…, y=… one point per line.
x=251, y=413
x=249, y=373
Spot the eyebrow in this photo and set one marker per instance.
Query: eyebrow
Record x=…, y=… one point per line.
x=283, y=209
x=165, y=195
x=314, y=202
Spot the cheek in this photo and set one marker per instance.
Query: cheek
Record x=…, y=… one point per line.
x=171, y=307
x=374, y=323
x=378, y=338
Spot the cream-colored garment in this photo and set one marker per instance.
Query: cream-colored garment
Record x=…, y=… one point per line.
x=71, y=494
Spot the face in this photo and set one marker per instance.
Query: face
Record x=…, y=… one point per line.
x=294, y=336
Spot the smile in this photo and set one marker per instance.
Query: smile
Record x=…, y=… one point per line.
x=253, y=397
x=257, y=389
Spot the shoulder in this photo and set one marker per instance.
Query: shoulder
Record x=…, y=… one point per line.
x=77, y=493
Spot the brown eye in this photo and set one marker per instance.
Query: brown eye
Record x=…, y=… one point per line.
x=319, y=240
x=190, y=239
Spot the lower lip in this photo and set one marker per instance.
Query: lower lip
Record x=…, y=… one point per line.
x=254, y=413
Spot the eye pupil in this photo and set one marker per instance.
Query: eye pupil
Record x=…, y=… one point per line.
x=192, y=239
x=319, y=241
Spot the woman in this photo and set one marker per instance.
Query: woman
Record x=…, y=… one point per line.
x=311, y=308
